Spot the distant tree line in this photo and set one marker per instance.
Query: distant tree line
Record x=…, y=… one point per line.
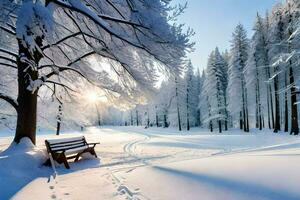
x=254, y=85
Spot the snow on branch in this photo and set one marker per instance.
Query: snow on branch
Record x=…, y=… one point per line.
x=8, y=52
x=8, y=30
x=8, y=65
x=77, y=6
x=8, y=59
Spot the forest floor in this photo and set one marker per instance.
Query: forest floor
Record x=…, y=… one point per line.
x=156, y=163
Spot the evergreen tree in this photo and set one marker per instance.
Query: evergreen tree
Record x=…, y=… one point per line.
x=236, y=86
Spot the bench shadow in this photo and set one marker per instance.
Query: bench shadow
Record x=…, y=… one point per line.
x=253, y=190
x=92, y=163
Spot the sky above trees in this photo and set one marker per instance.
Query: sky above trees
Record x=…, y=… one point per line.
x=214, y=20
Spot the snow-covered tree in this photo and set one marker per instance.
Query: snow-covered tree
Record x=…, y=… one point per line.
x=237, y=90
x=52, y=40
x=215, y=89
x=191, y=95
x=199, y=83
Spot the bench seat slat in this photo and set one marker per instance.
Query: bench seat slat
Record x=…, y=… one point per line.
x=67, y=144
x=75, y=150
x=68, y=148
x=64, y=140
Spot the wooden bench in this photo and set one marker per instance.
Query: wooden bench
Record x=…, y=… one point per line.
x=68, y=148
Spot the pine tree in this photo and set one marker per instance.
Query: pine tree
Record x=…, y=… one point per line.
x=214, y=86
x=236, y=86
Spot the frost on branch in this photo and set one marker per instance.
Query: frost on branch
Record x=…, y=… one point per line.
x=34, y=22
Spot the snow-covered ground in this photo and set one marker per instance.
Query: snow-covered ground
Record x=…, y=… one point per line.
x=138, y=163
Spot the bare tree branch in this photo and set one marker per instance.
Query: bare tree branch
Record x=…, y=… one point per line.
x=9, y=100
x=60, y=84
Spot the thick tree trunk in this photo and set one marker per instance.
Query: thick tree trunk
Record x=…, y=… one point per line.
x=27, y=100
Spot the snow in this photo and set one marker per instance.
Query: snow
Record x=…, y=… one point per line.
x=34, y=20
x=156, y=163
x=20, y=164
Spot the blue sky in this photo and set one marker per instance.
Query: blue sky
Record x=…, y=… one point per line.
x=214, y=21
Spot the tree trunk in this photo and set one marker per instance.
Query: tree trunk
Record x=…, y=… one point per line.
x=187, y=112
x=178, y=112
x=277, y=109
x=225, y=110
x=241, y=120
x=220, y=126
x=199, y=118
x=59, y=119
x=156, y=120
x=27, y=100
x=286, y=113
x=256, y=109
x=137, y=117
x=247, y=113
x=294, y=110
x=244, y=107
x=98, y=115
x=268, y=105
x=165, y=121
x=271, y=104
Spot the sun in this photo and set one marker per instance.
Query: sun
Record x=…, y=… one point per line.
x=92, y=97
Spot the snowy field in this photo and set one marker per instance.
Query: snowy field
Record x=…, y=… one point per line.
x=137, y=163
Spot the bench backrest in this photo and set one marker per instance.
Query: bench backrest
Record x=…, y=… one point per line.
x=65, y=143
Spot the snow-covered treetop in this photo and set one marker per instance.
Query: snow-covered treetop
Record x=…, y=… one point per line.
x=135, y=35
x=118, y=46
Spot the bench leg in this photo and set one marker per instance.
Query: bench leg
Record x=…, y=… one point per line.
x=77, y=157
x=93, y=152
x=65, y=161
